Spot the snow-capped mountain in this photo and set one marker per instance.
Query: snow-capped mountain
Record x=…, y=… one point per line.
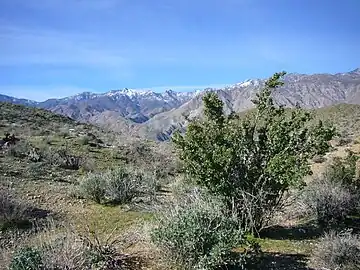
x=135, y=105
x=156, y=115
x=21, y=101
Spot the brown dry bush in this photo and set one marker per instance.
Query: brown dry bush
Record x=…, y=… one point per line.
x=335, y=194
x=337, y=251
x=64, y=248
x=329, y=202
x=12, y=211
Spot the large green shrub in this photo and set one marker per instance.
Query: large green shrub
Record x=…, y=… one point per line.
x=252, y=161
x=197, y=235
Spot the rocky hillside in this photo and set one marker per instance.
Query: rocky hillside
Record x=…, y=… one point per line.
x=157, y=115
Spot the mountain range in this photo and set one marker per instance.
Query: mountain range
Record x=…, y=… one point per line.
x=156, y=115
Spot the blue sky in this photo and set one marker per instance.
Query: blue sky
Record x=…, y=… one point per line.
x=56, y=48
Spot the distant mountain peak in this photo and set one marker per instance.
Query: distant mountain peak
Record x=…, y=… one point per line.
x=246, y=83
x=129, y=92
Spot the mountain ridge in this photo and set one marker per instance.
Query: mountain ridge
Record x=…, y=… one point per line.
x=156, y=115
x=309, y=91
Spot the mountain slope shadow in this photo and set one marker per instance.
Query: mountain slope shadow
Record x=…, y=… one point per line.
x=304, y=231
x=270, y=260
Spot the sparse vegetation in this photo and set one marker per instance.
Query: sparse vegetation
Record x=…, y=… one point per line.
x=69, y=161
x=85, y=140
x=211, y=210
x=343, y=141
x=319, y=159
x=19, y=150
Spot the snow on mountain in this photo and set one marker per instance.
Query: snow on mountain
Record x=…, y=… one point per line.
x=137, y=105
x=246, y=83
x=132, y=94
x=159, y=111
x=129, y=93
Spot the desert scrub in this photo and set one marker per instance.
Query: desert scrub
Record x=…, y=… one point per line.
x=197, y=235
x=124, y=185
x=343, y=141
x=118, y=186
x=181, y=187
x=68, y=160
x=68, y=249
x=337, y=251
x=343, y=170
x=330, y=202
x=318, y=159
x=84, y=140
x=335, y=194
x=93, y=187
x=19, y=150
x=12, y=211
